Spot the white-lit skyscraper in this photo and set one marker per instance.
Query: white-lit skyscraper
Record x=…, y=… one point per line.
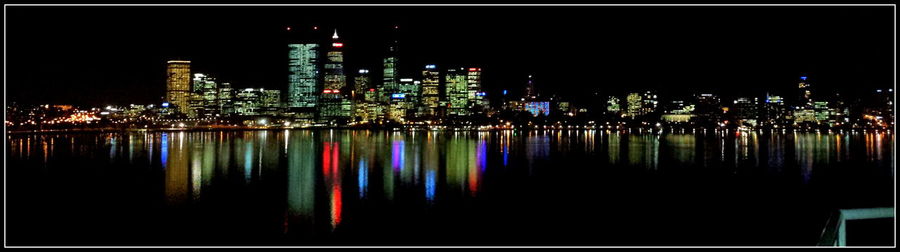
x=303, y=65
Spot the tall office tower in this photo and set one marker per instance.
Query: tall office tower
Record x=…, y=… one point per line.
x=226, y=99
x=334, y=66
x=473, y=81
x=804, y=97
x=205, y=86
x=359, y=96
x=745, y=110
x=775, y=111
x=178, y=84
x=361, y=84
x=303, y=65
x=530, y=91
x=304, y=79
x=334, y=105
x=270, y=102
x=613, y=105
x=247, y=102
x=430, y=90
x=649, y=102
x=195, y=105
x=411, y=90
x=456, y=87
x=708, y=108
x=633, y=101
x=390, y=81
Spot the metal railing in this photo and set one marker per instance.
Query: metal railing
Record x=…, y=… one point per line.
x=835, y=232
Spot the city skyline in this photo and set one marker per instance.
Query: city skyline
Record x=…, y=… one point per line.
x=507, y=65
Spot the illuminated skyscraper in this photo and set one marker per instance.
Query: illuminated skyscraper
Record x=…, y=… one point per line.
x=334, y=67
x=226, y=99
x=530, y=91
x=178, y=84
x=303, y=64
x=775, y=111
x=412, y=92
x=473, y=86
x=456, y=92
x=745, y=110
x=804, y=96
x=634, y=105
x=361, y=84
x=270, y=102
x=390, y=83
x=613, y=105
x=247, y=102
x=334, y=103
x=430, y=90
x=205, y=88
x=708, y=108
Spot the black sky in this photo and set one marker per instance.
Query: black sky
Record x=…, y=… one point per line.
x=100, y=55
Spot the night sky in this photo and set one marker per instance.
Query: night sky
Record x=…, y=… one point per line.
x=117, y=55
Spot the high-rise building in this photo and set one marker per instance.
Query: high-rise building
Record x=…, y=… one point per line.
x=205, y=87
x=178, y=84
x=361, y=97
x=530, y=91
x=430, y=90
x=270, y=102
x=248, y=102
x=649, y=102
x=361, y=84
x=303, y=65
x=404, y=102
x=456, y=87
x=775, y=111
x=745, y=110
x=633, y=101
x=226, y=99
x=390, y=82
x=473, y=82
x=613, y=105
x=335, y=105
x=804, y=96
x=708, y=108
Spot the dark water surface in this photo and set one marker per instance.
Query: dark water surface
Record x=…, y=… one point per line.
x=568, y=187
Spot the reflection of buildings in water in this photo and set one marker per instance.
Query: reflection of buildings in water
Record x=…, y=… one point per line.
x=362, y=177
x=504, y=145
x=431, y=165
x=208, y=165
x=478, y=165
x=613, y=146
x=457, y=163
x=176, y=159
x=247, y=159
x=393, y=162
x=224, y=153
x=330, y=164
x=301, y=176
x=113, y=146
x=537, y=147
x=466, y=160
x=643, y=150
x=196, y=163
x=683, y=147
